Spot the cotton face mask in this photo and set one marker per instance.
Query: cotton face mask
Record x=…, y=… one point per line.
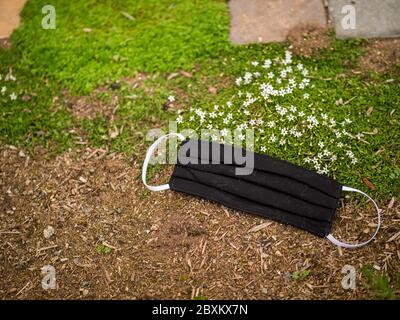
x=258, y=184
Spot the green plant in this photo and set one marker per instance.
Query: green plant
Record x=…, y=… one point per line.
x=301, y=274
x=103, y=249
x=381, y=284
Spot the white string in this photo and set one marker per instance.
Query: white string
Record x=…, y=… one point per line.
x=148, y=157
x=357, y=245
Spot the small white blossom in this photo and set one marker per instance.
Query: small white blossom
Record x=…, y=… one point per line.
x=267, y=63
x=171, y=98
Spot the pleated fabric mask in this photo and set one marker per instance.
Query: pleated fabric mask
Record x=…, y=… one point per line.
x=272, y=188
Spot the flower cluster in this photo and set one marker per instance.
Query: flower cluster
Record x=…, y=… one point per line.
x=3, y=87
x=272, y=98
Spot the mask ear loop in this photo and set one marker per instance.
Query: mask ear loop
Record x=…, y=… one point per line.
x=148, y=157
x=357, y=245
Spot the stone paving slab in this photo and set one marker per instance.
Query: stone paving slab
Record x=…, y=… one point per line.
x=9, y=16
x=271, y=20
x=373, y=18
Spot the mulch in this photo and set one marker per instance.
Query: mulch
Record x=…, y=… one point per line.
x=165, y=244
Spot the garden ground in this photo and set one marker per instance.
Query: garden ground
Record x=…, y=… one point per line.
x=73, y=143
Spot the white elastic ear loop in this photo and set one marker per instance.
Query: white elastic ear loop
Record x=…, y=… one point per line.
x=147, y=160
x=357, y=245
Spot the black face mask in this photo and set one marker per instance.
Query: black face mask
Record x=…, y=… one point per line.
x=272, y=188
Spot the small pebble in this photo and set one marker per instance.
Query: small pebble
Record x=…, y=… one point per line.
x=48, y=232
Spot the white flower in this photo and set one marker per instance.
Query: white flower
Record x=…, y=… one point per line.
x=324, y=170
x=179, y=119
x=324, y=116
x=290, y=117
x=247, y=77
x=13, y=96
x=267, y=63
x=284, y=131
x=272, y=138
x=300, y=66
x=288, y=57
x=281, y=110
x=255, y=63
x=263, y=149
x=216, y=107
x=238, y=81
x=340, y=145
x=224, y=132
x=321, y=144
x=305, y=72
x=359, y=136
x=271, y=124
x=256, y=74
x=171, y=98
x=3, y=89
x=282, y=142
x=306, y=96
x=270, y=75
x=229, y=104
x=301, y=114
x=312, y=120
x=212, y=115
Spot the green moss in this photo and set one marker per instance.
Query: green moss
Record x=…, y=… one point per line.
x=169, y=36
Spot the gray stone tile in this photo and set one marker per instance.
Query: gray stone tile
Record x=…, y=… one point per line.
x=271, y=20
x=373, y=18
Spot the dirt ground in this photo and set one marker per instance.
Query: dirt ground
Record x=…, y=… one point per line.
x=307, y=40
x=114, y=239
